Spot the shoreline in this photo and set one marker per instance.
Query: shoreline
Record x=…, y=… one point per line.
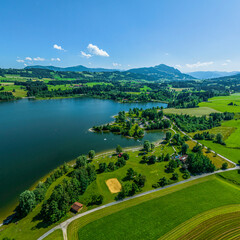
x=9, y=209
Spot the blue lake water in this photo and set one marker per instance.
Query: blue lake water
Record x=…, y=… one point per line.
x=38, y=136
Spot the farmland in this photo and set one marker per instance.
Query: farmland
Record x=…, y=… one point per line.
x=201, y=111
x=221, y=103
x=198, y=200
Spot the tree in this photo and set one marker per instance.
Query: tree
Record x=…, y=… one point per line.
x=168, y=136
x=27, y=202
x=197, y=148
x=81, y=161
x=102, y=167
x=111, y=166
x=219, y=138
x=147, y=146
x=163, y=181
x=177, y=139
x=184, y=148
x=91, y=154
x=131, y=174
x=152, y=159
x=224, y=166
x=152, y=146
x=167, y=157
x=186, y=174
x=125, y=156
x=171, y=166
x=118, y=149
x=175, y=177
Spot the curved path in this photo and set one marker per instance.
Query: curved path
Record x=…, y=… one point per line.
x=65, y=224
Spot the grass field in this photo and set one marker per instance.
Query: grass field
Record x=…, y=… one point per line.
x=152, y=172
x=221, y=103
x=153, y=215
x=231, y=135
x=56, y=235
x=190, y=111
x=8, y=87
x=212, y=224
x=216, y=160
x=62, y=87
x=145, y=89
x=90, y=84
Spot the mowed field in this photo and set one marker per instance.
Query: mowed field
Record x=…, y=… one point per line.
x=56, y=235
x=218, y=223
x=190, y=111
x=9, y=87
x=221, y=103
x=231, y=135
x=151, y=216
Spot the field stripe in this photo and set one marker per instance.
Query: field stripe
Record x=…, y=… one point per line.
x=187, y=226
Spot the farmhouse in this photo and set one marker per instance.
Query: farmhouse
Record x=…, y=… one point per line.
x=183, y=158
x=76, y=207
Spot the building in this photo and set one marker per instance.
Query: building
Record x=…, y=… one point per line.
x=183, y=158
x=76, y=207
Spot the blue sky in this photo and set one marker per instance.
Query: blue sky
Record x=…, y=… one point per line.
x=192, y=35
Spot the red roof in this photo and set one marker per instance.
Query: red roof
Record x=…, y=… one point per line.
x=77, y=206
x=183, y=158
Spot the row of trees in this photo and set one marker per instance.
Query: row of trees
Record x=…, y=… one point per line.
x=29, y=199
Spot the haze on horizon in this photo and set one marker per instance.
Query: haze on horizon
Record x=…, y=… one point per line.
x=188, y=35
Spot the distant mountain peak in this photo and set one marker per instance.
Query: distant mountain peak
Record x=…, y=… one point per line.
x=158, y=72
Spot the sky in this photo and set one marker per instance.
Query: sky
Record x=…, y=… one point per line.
x=199, y=35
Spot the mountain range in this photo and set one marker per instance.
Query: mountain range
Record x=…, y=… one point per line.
x=211, y=74
x=159, y=72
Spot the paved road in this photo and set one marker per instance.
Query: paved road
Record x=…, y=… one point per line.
x=65, y=224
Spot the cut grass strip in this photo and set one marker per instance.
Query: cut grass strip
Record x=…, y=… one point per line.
x=184, y=228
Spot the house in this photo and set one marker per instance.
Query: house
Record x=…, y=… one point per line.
x=76, y=207
x=183, y=158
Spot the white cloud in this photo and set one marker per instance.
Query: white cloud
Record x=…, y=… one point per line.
x=58, y=47
x=56, y=59
x=226, y=62
x=117, y=64
x=96, y=51
x=86, y=55
x=28, y=58
x=38, y=59
x=25, y=64
x=20, y=60
x=199, y=64
x=178, y=66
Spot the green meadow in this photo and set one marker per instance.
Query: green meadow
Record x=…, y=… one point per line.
x=166, y=210
x=190, y=111
x=221, y=103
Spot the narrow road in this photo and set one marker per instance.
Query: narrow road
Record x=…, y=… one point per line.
x=65, y=224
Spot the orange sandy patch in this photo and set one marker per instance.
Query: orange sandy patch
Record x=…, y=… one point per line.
x=114, y=185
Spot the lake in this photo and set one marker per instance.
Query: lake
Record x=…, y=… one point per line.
x=38, y=136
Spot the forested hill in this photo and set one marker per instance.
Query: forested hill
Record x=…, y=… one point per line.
x=79, y=68
x=162, y=71
x=159, y=72
x=228, y=78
